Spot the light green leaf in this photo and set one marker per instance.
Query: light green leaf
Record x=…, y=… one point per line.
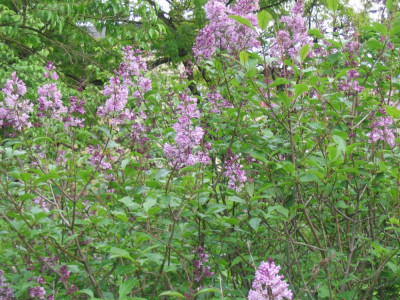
x=242, y=20
x=255, y=223
x=127, y=286
x=172, y=294
x=393, y=112
x=300, y=89
x=263, y=18
x=332, y=4
x=244, y=57
x=87, y=292
x=208, y=290
x=304, y=51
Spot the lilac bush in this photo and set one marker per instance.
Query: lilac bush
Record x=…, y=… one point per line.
x=281, y=138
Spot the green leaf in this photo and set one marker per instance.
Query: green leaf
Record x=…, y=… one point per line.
x=149, y=203
x=162, y=173
x=332, y=4
x=172, y=294
x=393, y=112
x=304, y=51
x=244, y=57
x=300, y=89
x=374, y=44
x=279, y=81
x=128, y=201
x=380, y=28
x=389, y=5
x=87, y=292
x=242, y=20
x=263, y=18
x=284, y=98
x=394, y=31
x=127, y=286
x=315, y=33
x=118, y=252
x=208, y=290
x=255, y=223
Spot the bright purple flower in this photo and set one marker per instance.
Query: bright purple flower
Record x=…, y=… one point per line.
x=235, y=173
x=40, y=280
x=268, y=285
x=225, y=33
x=14, y=111
x=201, y=270
x=97, y=157
x=217, y=102
x=188, y=137
x=64, y=273
x=42, y=203
x=37, y=291
x=129, y=76
x=6, y=292
x=293, y=37
x=72, y=289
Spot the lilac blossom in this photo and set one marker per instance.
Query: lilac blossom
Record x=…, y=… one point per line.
x=201, y=270
x=76, y=107
x=129, y=76
x=97, y=157
x=350, y=84
x=217, y=102
x=293, y=37
x=268, y=285
x=42, y=203
x=37, y=291
x=5, y=291
x=225, y=33
x=15, y=111
x=188, y=137
x=382, y=132
x=235, y=173
x=50, y=97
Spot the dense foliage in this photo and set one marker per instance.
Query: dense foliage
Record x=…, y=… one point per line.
x=268, y=169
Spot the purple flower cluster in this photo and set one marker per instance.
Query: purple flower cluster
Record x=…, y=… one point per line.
x=64, y=278
x=15, y=111
x=350, y=85
x=293, y=37
x=42, y=203
x=97, y=157
x=128, y=75
x=381, y=131
x=77, y=106
x=188, y=137
x=268, y=285
x=37, y=291
x=50, y=103
x=201, y=270
x=235, y=173
x=225, y=33
x=217, y=102
x=6, y=292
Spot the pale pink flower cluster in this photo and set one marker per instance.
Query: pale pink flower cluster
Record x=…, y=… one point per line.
x=294, y=36
x=234, y=171
x=97, y=157
x=128, y=76
x=217, y=102
x=225, y=33
x=15, y=111
x=382, y=132
x=188, y=137
x=350, y=85
x=268, y=285
x=50, y=97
